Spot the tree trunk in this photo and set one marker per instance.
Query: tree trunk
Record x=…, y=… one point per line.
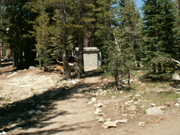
x=80, y=62
x=15, y=62
x=40, y=60
x=66, y=68
x=0, y=59
x=129, y=76
x=116, y=76
x=0, y=53
x=40, y=64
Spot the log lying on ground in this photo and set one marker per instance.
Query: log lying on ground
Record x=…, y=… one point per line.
x=70, y=64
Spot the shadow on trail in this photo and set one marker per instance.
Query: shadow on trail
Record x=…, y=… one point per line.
x=64, y=128
x=16, y=114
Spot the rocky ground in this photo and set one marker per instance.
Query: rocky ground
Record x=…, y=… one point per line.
x=34, y=102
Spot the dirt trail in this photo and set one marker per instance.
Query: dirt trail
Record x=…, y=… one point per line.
x=68, y=111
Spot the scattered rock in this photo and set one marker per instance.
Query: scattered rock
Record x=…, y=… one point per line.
x=154, y=111
x=92, y=100
x=108, y=119
x=102, y=114
x=136, y=102
x=101, y=119
x=177, y=104
x=121, y=121
x=178, y=91
x=98, y=110
x=167, y=104
x=42, y=107
x=124, y=114
x=98, y=105
x=31, y=112
x=109, y=124
x=32, y=67
x=161, y=107
x=175, y=76
x=19, y=120
x=153, y=105
x=113, y=97
x=178, y=100
x=132, y=108
x=38, y=112
x=137, y=95
x=132, y=116
x=141, y=123
x=3, y=133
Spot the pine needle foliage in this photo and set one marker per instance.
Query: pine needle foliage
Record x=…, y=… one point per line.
x=159, y=35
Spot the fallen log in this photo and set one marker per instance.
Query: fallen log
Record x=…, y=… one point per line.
x=61, y=63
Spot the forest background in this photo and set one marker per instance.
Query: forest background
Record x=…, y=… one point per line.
x=41, y=31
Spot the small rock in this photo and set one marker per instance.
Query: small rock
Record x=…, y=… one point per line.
x=177, y=104
x=124, y=115
x=175, y=76
x=108, y=119
x=154, y=111
x=178, y=100
x=31, y=112
x=98, y=110
x=113, y=97
x=178, y=91
x=18, y=128
x=167, y=104
x=90, y=102
x=137, y=95
x=32, y=67
x=132, y=116
x=38, y=112
x=93, y=99
x=3, y=133
x=42, y=107
x=131, y=101
x=132, y=108
x=126, y=103
x=121, y=92
x=161, y=107
x=19, y=120
x=136, y=102
x=153, y=105
x=109, y=124
x=141, y=123
x=102, y=114
x=101, y=119
x=98, y=105
x=121, y=121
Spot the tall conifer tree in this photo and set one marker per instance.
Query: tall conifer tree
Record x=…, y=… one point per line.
x=158, y=31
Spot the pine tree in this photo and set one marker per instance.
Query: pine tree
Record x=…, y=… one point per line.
x=177, y=28
x=118, y=37
x=61, y=32
x=158, y=41
x=41, y=31
x=15, y=20
x=82, y=23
